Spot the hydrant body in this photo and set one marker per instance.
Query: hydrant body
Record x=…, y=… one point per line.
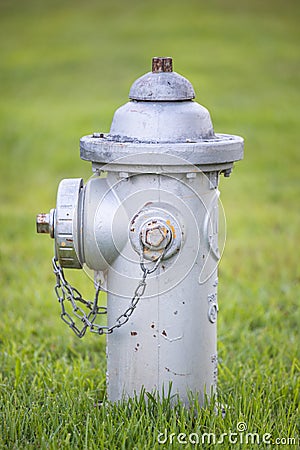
x=171, y=337
x=149, y=230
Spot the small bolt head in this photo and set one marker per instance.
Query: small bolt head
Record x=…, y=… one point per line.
x=43, y=223
x=98, y=135
x=154, y=236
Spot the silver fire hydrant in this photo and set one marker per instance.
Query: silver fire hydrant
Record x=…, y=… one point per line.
x=149, y=232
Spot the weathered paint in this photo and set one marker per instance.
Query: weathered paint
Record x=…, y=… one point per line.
x=163, y=161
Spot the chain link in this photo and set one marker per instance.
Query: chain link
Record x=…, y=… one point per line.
x=65, y=292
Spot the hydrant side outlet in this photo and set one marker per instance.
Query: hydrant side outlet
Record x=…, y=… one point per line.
x=149, y=231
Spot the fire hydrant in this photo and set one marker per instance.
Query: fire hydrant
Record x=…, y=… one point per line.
x=149, y=232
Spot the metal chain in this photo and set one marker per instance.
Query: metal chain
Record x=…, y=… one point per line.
x=66, y=292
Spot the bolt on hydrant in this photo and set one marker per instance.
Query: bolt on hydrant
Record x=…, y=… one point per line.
x=149, y=232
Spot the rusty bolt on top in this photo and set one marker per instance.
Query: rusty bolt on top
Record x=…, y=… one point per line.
x=162, y=64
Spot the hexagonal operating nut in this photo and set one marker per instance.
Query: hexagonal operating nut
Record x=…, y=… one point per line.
x=156, y=236
x=42, y=223
x=45, y=223
x=167, y=240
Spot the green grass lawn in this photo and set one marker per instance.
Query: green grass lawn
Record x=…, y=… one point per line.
x=65, y=67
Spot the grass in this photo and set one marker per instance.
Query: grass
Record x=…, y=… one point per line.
x=65, y=67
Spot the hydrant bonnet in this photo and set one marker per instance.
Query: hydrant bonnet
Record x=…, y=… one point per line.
x=161, y=111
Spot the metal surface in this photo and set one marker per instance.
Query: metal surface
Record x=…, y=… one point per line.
x=161, y=122
x=105, y=224
x=170, y=337
x=208, y=154
x=157, y=223
x=67, y=226
x=162, y=64
x=162, y=84
x=154, y=216
x=45, y=223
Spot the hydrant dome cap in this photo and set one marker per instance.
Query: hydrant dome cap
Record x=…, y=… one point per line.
x=161, y=86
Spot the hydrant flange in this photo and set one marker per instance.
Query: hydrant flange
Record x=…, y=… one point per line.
x=112, y=153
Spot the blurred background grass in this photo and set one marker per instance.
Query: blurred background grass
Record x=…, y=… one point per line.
x=65, y=67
